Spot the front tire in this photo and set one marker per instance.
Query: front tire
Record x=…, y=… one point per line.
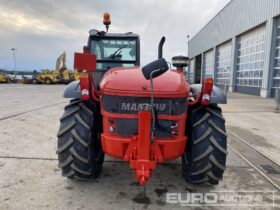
x=34, y=81
x=79, y=150
x=204, y=160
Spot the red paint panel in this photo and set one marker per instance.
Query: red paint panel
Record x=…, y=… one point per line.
x=144, y=128
x=129, y=81
x=85, y=61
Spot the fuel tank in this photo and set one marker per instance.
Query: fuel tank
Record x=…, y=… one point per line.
x=129, y=81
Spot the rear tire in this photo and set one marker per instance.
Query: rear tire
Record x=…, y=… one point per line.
x=204, y=160
x=79, y=150
x=34, y=81
x=48, y=81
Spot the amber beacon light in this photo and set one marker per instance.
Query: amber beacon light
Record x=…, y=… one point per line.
x=106, y=20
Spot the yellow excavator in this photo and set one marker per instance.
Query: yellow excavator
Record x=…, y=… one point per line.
x=66, y=75
x=61, y=74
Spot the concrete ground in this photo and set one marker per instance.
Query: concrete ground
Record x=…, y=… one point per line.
x=256, y=120
x=30, y=178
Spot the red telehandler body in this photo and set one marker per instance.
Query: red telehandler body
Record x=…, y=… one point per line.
x=143, y=115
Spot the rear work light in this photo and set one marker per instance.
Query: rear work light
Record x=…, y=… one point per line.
x=206, y=91
x=84, y=86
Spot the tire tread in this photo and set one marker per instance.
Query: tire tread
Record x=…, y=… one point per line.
x=79, y=148
x=206, y=150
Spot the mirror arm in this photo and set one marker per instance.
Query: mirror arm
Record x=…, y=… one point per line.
x=152, y=104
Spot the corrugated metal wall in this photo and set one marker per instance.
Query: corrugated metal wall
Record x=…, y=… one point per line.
x=238, y=16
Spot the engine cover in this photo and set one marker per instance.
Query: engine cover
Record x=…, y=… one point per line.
x=131, y=82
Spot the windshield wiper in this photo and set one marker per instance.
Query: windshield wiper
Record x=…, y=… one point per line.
x=115, y=53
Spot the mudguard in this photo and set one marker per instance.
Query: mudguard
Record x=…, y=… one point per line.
x=72, y=90
x=217, y=96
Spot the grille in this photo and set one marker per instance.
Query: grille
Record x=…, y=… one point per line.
x=129, y=127
x=131, y=105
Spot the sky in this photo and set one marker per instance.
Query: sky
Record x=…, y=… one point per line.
x=42, y=30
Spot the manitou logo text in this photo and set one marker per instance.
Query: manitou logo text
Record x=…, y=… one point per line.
x=140, y=106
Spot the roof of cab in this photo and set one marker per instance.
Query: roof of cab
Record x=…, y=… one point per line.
x=122, y=35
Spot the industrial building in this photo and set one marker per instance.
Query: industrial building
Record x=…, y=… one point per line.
x=240, y=48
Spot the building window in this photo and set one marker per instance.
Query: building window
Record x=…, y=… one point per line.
x=208, y=64
x=223, y=65
x=191, y=72
x=276, y=74
x=250, y=58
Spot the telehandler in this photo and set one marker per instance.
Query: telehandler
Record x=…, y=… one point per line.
x=143, y=115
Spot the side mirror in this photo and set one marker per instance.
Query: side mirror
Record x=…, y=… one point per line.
x=84, y=61
x=157, y=67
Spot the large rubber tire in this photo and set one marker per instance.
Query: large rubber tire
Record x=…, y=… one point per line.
x=48, y=81
x=204, y=160
x=79, y=150
x=34, y=81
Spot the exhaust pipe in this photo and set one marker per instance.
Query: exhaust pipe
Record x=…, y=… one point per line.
x=160, y=47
